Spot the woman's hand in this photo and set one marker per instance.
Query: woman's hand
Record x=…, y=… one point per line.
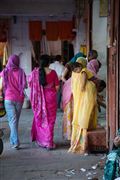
x=57, y=88
x=84, y=81
x=63, y=79
x=64, y=74
x=1, y=83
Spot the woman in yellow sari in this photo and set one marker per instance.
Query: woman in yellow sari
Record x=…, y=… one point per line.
x=85, y=108
x=67, y=98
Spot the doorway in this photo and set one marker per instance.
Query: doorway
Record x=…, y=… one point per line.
x=110, y=64
x=113, y=71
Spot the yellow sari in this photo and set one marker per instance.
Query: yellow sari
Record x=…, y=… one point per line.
x=67, y=120
x=84, y=112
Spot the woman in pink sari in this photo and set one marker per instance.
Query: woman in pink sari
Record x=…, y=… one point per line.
x=44, y=84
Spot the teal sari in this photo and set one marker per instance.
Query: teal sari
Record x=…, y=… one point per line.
x=112, y=165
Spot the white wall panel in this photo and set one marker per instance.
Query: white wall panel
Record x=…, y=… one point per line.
x=99, y=38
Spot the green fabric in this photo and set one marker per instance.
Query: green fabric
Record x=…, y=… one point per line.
x=112, y=168
x=118, y=132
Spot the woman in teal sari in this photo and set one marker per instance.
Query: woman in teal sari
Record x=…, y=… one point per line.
x=112, y=165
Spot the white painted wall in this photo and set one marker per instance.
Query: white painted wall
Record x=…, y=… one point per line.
x=99, y=38
x=19, y=40
x=80, y=37
x=25, y=10
x=20, y=44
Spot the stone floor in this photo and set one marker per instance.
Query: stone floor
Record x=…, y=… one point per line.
x=34, y=163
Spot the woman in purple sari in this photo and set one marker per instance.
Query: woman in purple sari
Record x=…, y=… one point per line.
x=44, y=84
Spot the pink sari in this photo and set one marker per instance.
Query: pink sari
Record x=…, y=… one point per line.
x=66, y=93
x=67, y=105
x=44, y=106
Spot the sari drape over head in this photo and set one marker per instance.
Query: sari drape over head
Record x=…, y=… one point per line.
x=12, y=65
x=93, y=66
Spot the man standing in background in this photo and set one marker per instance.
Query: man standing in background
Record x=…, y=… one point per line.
x=59, y=68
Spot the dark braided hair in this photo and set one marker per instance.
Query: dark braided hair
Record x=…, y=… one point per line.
x=44, y=62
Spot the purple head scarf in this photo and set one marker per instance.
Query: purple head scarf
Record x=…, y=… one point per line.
x=13, y=64
x=93, y=66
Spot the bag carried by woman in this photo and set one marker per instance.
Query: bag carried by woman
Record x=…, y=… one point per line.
x=2, y=107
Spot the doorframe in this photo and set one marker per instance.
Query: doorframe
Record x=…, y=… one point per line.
x=113, y=72
x=113, y=64
x=89, y=24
